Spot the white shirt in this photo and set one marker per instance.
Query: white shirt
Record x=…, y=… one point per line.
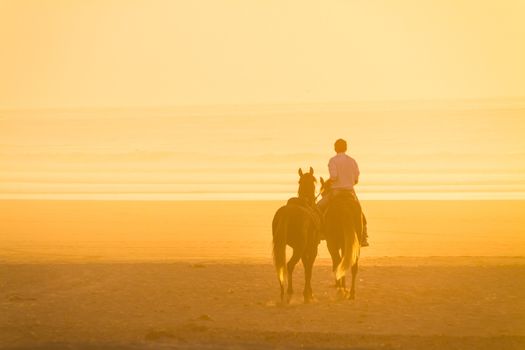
x=343, y=171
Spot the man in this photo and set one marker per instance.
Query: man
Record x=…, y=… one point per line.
x=344, y=174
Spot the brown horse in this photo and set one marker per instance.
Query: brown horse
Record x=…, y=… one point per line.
x=297, y=225
x=341, y=227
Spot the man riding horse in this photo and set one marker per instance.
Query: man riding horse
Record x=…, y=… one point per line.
x=344, y=175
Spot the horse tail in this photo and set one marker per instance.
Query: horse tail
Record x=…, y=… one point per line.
x=351, y=252
x=280, y=229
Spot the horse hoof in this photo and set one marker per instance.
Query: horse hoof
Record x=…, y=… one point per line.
x=351, y=296
x=285, y=301
x=309, y=299
x=341, y=294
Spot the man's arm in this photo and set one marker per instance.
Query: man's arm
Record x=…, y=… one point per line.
x=356, y=173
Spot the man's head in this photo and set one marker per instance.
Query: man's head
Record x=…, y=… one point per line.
x=340, y=146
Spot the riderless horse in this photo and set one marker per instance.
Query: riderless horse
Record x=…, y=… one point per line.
x=297, y=224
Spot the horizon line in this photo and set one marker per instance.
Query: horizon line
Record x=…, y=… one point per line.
x=409, y=196
x=490, y=102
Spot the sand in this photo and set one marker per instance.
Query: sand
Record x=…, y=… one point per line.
x=154, y=274
x=402, y=303
x=91, y=231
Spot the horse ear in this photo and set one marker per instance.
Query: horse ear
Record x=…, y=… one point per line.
x=311, y=171
x=300, y=172
x=322, y=181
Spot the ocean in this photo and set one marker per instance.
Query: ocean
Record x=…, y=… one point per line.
x=408, y=151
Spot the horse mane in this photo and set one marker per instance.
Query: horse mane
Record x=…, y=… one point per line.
x=306, y=189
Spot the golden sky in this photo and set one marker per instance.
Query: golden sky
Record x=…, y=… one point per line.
x=105, y=53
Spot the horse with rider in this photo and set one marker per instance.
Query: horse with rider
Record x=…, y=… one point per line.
x=337, y=218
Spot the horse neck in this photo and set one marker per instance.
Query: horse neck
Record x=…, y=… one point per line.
x=306, y=195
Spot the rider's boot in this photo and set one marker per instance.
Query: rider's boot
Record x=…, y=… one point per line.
x=364, y=237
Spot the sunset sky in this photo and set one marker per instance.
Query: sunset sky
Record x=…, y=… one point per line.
x=226, y=99
x=106, y=53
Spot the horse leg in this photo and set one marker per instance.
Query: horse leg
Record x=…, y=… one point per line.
x=354, y=275
x=336, y=259
x=307, y=292
x=308, y=263
x=290, y=266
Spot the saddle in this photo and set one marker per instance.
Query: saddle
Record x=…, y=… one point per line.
x=312, y=210
x=347, y=204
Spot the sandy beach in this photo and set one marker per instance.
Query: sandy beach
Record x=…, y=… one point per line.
x=402, y=303
x=142, y=275
x=140, y=231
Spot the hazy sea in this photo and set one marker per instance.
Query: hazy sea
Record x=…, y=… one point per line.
x=178, y=183
x=409, y=151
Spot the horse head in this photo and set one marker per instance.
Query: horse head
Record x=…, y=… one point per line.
x=326, y=187
x=307, y=185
